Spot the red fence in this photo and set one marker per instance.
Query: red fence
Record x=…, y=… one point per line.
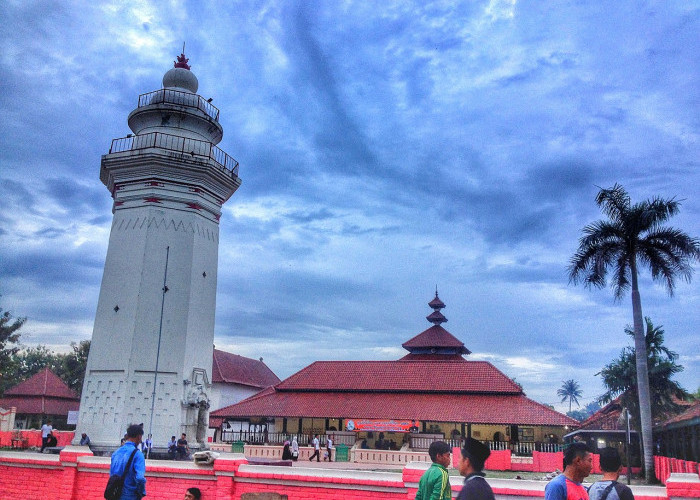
x=76, y=474
x=540, y=461
x=30, y=438
x=664, y=466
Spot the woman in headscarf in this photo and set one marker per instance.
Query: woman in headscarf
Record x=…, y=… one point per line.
x=295, y=449
x=286, y=452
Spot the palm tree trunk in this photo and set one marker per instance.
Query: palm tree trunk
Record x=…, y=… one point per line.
x=640, y=347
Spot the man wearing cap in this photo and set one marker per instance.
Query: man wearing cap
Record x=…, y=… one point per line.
x=471, y=465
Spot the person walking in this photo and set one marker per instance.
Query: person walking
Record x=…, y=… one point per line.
x=471, y=466
x=329, y=448
x=135, y=477
x=46, y=431
x=608, y=488
x=317, y=450
x=295, y=449
x=434, y=484
x=578, y=463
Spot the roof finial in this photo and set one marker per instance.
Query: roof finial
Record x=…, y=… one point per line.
x=181, y=59
x=436, y=316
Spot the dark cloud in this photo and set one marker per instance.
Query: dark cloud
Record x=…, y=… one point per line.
x=382, y=151
x=61, y=270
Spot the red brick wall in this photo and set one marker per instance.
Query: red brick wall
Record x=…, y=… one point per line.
x=76, y=475
x=35, y=479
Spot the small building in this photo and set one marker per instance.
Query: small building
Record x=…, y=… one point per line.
x=679, y=436
x=43, y=396
x=607, y=428
x=235, y=378
x=431, y=393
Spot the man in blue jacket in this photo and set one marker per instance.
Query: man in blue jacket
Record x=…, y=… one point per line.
x=135, y=480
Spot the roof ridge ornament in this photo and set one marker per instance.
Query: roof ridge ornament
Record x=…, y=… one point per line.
x=182, y=60
x=436, y=304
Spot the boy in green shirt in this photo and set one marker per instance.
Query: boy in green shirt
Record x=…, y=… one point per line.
x=435, y=482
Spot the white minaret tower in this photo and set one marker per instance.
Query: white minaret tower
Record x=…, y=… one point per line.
x=151, y=354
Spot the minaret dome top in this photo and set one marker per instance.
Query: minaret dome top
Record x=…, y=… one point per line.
x=180, y=77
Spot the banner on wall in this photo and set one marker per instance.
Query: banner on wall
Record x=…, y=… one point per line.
x=381, y=425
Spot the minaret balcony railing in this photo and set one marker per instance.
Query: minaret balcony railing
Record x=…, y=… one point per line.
x=180, y=98
x=184, y=145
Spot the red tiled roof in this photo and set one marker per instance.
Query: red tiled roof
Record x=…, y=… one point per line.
x=232, y=368
x=474, y=408
x=44, y=383
x=435, y=336
x=39, y=405
x=41, y=394
x=607, y=418
x=436, y=303
x=436, y=317
x=433, y=357
x=400, y=376
x=691, y=413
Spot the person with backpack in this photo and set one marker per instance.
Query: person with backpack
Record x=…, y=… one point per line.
x=608, y=488
x=133, y=476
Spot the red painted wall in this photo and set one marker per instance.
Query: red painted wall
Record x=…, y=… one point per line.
x=76, y=475
x=33, y=437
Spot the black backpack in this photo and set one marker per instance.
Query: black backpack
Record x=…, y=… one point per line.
x=115, y=484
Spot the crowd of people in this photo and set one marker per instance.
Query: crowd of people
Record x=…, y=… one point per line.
x=578, y=463
x=434, y=484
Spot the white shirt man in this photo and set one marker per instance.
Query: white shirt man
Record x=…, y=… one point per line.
x=46, y=431
x=317, y=450
x=329, y=448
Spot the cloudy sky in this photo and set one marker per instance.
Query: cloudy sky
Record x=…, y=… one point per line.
x=385, y=148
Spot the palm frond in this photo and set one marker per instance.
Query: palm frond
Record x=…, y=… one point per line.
x=614, y=202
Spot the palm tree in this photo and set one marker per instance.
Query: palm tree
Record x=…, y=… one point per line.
x=620, y=375
x=633, y=236
x=570, y=390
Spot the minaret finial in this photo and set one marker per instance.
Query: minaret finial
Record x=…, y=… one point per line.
x=181, y=59
x=436, y=291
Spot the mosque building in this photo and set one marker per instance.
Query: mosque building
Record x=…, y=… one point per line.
x=432, y=392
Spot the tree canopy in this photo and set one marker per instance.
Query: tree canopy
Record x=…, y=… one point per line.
x=569, y=390
x=9, y=346
x=634, y=236
x=70, y=367
x=18, y=363
x=585, y=412
x=620, y=376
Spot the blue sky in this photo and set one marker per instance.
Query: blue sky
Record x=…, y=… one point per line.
x=385, y=148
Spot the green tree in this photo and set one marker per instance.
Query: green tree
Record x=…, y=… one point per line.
x=633, y=235
x=9, y=339
x=569, y=390
x=584, y=412
x=73, y=365
x=620, y=376
x=31, y=360
x=695, y=396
